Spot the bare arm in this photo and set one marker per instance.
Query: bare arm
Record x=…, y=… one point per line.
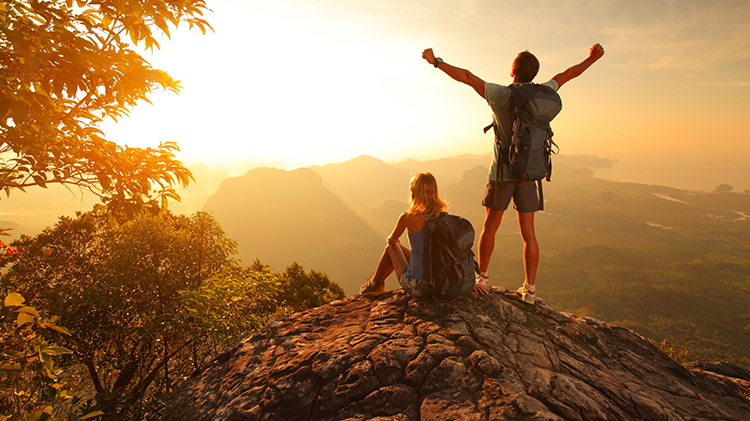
x=596, y=52
x=458, y=74
x=398, y=229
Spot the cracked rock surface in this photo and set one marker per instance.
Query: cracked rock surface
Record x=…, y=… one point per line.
x=397, y=358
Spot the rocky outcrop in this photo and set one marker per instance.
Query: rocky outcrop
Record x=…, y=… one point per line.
x=481, y=358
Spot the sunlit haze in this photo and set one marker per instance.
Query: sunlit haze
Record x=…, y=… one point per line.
x=317, y=81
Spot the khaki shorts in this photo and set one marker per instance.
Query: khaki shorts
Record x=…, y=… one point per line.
x=415, y=287
x=524, y=194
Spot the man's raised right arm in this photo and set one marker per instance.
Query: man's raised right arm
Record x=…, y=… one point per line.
x=457, y=73
x=596, y=52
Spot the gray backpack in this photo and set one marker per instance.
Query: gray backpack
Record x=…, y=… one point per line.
x=452, y=266
x=528, y=154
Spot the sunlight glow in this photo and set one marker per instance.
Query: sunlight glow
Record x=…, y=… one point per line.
x=324, y=81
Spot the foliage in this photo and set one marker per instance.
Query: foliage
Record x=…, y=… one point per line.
x=299, y=290
x=116, y=288
x=679, y=355
x=63, y=69
x=228, y=308
x=150, y=299
x=30, y=387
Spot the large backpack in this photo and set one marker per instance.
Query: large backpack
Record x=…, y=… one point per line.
x=528, y=154
x=452, y=266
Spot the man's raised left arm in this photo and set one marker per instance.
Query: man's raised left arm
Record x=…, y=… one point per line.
x=596, y=52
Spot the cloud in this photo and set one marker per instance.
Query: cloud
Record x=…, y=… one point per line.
x=729, y=84
x=690, y=36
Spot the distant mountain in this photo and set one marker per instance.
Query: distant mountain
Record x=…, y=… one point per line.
x=384, y=217
x=365, y=183
x=446, y=170
x=15, y=231
x=195, y=195
x=38, y=208
x=283, y=216
x=587, y=161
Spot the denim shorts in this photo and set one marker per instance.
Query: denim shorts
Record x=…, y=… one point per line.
x=415, y=287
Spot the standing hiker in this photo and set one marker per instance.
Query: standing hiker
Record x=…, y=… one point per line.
x=525, y=195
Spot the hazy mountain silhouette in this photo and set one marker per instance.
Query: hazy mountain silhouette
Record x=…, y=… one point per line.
x=384, y=217
x=195, y=195
x=15, y=231
x=446, y=170
x=284, y=216
x=364, y=182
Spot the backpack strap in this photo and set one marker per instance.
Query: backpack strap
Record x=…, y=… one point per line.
x=541, y=194
x=498, y=159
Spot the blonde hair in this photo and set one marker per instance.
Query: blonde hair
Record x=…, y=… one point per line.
x=423, y=196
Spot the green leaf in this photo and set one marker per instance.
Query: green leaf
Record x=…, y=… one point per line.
x=4, y=108
x=14, y=299
x=40, y=181
x=19, y=111
x=32, y=62
x=24, y=318
x=91, y=415
x=104, y=181
x=57, y=328
x=28, y=310
x=10, y=366
x=56, y=350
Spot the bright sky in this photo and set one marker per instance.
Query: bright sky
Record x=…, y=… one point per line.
x=317, y=81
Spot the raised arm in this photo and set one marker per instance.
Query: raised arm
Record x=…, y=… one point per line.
x=596, y=52
x=461, y=75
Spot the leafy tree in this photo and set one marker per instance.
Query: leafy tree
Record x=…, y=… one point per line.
x=300, y=291
x=150, y=299
x=117, y=289
x=228, y=308
x=63, y=69
x=29, y=378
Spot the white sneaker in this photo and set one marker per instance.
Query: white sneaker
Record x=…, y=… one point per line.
x=484, y=281
x=528, y=292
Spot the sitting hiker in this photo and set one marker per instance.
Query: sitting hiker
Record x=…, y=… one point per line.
x=412, y=267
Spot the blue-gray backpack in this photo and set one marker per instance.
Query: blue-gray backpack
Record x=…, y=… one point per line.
x=528, y=154
x=452, y=266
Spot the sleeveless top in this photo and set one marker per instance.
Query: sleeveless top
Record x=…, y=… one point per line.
x=419, y=263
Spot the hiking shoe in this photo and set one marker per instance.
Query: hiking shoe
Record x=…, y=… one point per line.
x=371, y=288
x=528, y=292
x=483, y=281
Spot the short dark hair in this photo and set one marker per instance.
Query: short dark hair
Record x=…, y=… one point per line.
x=526, y=66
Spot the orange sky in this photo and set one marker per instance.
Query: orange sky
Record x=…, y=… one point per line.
x=317, y=81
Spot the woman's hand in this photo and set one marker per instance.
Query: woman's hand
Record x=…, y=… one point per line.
x=479, y=289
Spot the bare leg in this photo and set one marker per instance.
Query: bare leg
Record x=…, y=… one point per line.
x=385, y=264
x=400, y=256
x=530, y=246
x=384, y=268
x=492, y=221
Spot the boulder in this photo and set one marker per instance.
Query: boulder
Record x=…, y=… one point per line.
x=492, y=357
